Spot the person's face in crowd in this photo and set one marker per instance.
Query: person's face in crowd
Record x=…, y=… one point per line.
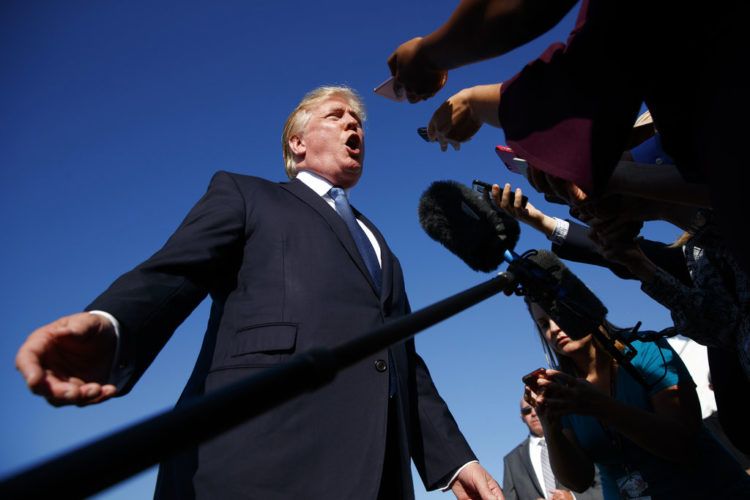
x=528, y=415
x=333, y=142
x=555, y=337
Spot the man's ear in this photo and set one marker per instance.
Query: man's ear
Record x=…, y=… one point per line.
x=297, y=145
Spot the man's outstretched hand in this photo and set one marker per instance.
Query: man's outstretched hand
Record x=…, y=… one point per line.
x=475, y=483
x=68, y=361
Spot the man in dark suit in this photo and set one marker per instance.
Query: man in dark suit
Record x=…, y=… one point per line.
x=289, y=266
x=524, y=471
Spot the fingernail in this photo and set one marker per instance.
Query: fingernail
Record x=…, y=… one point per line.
x=92, y=392
x=70, y=394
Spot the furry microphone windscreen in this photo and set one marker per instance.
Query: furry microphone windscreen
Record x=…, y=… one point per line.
x=467, y=224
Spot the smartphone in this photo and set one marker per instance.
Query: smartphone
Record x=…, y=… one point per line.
x=531, y=378
x=515, y=164
x=485, y=188
x=390, y=89
x=422, y=131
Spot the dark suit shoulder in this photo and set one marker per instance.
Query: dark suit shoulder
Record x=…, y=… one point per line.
x=244, y=180
x=516, y=451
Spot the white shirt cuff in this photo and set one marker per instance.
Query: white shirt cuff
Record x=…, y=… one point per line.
x=560, y=232
x=119, y=373
x=455, y=475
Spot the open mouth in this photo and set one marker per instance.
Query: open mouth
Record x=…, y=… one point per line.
x=353, y=144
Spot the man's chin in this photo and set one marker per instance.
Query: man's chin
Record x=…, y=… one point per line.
x=350, y=176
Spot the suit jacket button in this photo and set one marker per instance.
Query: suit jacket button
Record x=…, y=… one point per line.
x=381, y=365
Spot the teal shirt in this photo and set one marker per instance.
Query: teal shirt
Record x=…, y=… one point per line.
x=712, y=472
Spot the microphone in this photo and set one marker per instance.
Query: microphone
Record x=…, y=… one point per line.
x=466, y=223
x=547, y=282
x=562, y=295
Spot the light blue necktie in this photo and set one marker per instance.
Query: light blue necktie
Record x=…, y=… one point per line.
x=360, y=238
x=368, y=256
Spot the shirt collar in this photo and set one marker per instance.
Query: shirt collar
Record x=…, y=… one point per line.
x=319, y=184
x=534, y=440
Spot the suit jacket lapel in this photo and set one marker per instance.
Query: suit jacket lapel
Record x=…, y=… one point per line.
x=526, y=461
x=336, y=223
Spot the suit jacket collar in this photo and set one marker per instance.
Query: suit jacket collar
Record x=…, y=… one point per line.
x=338, y=226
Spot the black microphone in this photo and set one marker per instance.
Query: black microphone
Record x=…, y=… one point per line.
x=562, y=295
x=548, y=282
x=466, y=223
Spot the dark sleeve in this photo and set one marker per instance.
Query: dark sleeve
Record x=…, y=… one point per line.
x=570, y=112
x=578, y=247
x=731, y=388
x=438, y=447
x=153, y=299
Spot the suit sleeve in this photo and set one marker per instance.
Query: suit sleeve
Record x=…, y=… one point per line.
x=153, y=299
x=438, y=446
x=509, y=488
x=578, y=247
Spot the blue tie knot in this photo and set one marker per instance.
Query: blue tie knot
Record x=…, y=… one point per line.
x=337, y=191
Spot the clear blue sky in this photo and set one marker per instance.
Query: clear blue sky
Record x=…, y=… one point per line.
x=113, y=117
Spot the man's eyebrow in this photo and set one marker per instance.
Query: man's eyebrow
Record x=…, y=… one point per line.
x=342, y=109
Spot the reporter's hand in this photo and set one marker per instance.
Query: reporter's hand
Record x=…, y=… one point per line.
x=561, y=495
x=616, y=239
x=562, y=394
x=557, y=187
x=475, y=483
x=528, y=214
x=414, y=73
x=455, y=121
x=68, y=361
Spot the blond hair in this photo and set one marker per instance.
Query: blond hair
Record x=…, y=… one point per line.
x=298, y=119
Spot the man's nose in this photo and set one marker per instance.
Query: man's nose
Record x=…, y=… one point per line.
x=351, y=122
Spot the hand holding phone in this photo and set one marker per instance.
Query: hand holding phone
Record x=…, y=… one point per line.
x=530, y=379
x=486, y=189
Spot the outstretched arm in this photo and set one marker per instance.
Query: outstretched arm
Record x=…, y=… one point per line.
x=477, y=30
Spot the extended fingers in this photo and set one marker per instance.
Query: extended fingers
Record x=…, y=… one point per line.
x=29, y=356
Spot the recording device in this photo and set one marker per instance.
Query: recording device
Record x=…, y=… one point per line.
x=467, y=224
x=530, y=379
x=520, y=166
x=483, y=237
x=567, y=300
x=547, y=282
x=390, y=89
x=486, y=190
x=512, y=162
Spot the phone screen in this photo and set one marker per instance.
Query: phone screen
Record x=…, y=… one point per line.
x=390, y=89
